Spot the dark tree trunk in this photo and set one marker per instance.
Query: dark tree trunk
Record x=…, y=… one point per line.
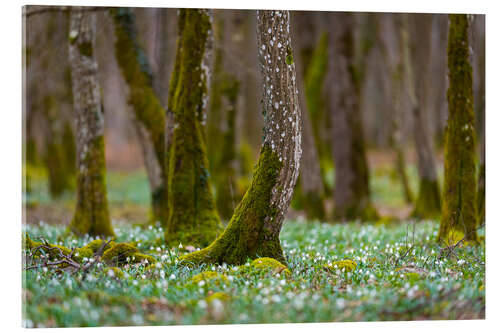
x=352, y=188
x=478, y=47
x=428, y=202
x=221, y=138
x=311, y=181
x=459, y=196
x=255, y=226
x=57, y=162
x=393, y=61
x=91, y=212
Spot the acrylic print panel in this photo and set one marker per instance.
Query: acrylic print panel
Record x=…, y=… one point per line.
x=198, y=166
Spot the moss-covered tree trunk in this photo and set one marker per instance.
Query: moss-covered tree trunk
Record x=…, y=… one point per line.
x=481, y=182
x=459, y=212
x=226, y=175
x=57, y=162
x=91, y=212
x=428, y=202
x=393, y=61
x=478, y=47
x=193, y=218
x=255, y=226
x=221, y=119
x=148, y=114
x=352, y=188
x=311, y=180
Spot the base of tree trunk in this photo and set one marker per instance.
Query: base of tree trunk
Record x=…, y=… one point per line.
x=233, y=251
x=96, y=225
x=91, y=213
x=199, y=233
x=363, y=212
x=428, y=204
x=245, y=237
x=159, y=206
x=312, y=204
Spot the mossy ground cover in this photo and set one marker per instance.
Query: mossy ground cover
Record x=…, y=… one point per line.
x=388, y=282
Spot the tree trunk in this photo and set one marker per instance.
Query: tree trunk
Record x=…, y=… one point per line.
x=459, y=195
x=481, y=183
x=55, y=158
x=393, y=61
x=478, y=47
x=226, y=165
x=193, y=218
x=255, y=226
x=91, y=213
x=439, y=80
x=221, y=143
x=148, y=117
x=352, y=188
x=428, y=203
x=311, y=181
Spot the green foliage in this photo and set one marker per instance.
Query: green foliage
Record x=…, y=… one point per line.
x=384, y=285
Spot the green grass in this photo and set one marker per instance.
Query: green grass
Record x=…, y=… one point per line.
x=123, y=188
x=385, y=285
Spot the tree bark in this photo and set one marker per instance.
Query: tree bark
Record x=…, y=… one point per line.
x=255, y=226
x=91, y=213
x=459, y=195
x=311, y=181
x=352, y=188
x=393, y=61
x=148, y=117
x=193, y=218
x=478, y=47
x=428, y=202
x=59, y=170
x=221, y=138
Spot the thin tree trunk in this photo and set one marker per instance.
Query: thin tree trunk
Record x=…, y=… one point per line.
x=161, y=53
x=481, y=183
x=352, y=189
x=91, y=213
x=226, y=165
x=459, y=195
x=59, y=173
x=193, y=218
x=394, y=66
x=439, y=79
x=255, y=226
x=478, y=47
x=428, y=203
x=311, y=181
x=148, y=117
x=221, y=139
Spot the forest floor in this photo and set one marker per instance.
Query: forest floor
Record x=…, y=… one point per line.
x=401, y=273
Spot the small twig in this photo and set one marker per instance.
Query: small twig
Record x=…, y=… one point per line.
x=67, y=259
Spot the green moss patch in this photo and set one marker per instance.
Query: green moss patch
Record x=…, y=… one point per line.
x=345, y=265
